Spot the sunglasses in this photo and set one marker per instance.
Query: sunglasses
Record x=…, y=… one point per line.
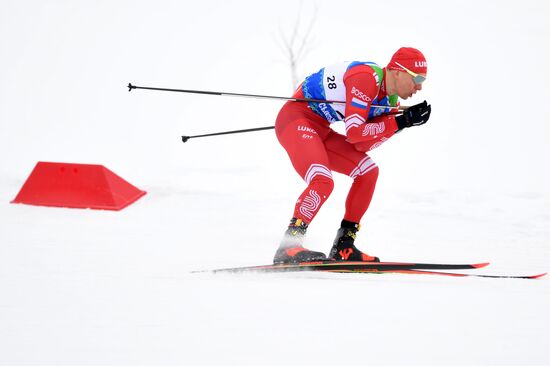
x=417, y=79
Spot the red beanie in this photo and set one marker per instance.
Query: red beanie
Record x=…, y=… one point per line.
x=411, y=58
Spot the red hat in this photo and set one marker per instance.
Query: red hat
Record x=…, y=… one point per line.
x=411, y=58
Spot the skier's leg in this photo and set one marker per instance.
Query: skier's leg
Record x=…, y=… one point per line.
x=345, y=159
x=302, y=138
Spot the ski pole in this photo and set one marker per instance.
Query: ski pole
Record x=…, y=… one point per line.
x=307, y=100
x=185, y=138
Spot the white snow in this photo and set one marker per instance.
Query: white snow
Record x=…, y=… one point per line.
x=86, y=287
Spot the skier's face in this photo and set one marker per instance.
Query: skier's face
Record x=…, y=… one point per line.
x=406, y=85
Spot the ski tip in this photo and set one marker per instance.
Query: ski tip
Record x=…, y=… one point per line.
x=539, y=275
x=480, y=265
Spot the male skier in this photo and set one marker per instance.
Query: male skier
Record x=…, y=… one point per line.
x=316, y=150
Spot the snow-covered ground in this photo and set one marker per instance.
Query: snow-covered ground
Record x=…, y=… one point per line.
x=85, y=287
x=92, y=287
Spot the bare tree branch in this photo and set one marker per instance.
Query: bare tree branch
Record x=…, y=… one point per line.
x=296, y=46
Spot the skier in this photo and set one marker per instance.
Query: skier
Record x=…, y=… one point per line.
x=315, y=150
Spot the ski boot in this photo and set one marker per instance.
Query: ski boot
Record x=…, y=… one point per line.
x=291, y=249
x=343, y=248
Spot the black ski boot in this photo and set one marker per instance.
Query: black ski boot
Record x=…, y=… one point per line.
x=343, y=248
x=291, y=249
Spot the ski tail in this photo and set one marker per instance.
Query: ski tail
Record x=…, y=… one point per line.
x=452, y=274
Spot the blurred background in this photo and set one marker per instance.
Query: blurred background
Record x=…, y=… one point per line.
x=65, y=65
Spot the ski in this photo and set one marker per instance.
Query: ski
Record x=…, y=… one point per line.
x=335, y=266
x=452, y=274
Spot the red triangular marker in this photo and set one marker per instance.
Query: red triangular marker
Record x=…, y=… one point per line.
x=77, y=186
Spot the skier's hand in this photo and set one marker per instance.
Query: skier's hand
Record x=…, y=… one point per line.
x=415, y=115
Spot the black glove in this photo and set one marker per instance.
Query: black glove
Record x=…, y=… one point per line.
x=415, y=115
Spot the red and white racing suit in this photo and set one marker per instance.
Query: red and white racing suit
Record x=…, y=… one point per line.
x=316, y=150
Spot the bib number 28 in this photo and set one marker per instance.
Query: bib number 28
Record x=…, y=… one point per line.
x=331, y=82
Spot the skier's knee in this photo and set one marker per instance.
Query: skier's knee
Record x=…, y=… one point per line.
x=365, y=169
x=323, y=185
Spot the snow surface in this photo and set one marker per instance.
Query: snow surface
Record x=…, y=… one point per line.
x=84, y=287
